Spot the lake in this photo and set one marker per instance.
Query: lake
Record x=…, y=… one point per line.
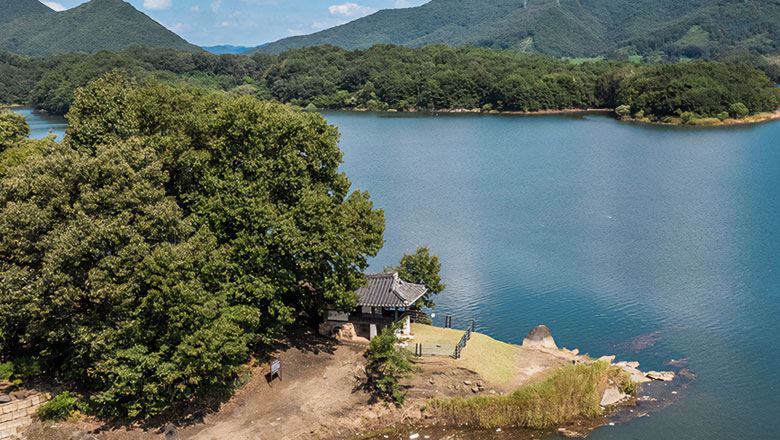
x=651, y=243
x=42, y=123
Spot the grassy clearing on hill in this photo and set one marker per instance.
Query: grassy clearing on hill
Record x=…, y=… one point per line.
x=571, y=393
x=481, y=347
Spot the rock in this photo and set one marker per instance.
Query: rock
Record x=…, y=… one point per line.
x=666, y=376
x=5, y=398
x=466, y=382
x=569, y=433
x=607, y=359
x=631, y=368
x=347, y=331
x=170, y=432
x=612, y=395
x=492, y=391
x=475, y=390
x=432, y=381
x=540, y=336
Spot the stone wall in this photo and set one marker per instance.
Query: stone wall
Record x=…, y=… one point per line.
x=15, y=416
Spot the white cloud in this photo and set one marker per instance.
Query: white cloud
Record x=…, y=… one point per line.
x=57, y=6
x=157, y=4
x=195, y=8
x=401, y=3
x=351, y=10
x=216, y=5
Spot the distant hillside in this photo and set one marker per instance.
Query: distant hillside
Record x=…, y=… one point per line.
x=571, y=28
x=90, y=27
x=221, y=50
x=12, y=9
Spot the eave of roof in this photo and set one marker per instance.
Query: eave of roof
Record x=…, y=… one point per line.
x=388, y=290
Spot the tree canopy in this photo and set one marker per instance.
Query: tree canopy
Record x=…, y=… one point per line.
x=422, y=268
x=386, y=77
x=146, y=256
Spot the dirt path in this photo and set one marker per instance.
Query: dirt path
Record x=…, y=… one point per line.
x=319, y=386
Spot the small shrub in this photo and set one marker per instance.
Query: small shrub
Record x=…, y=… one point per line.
x=6, y=371
x=722, y=116
x=62, y=407
x=739, y=110
x=640, y=114
x=623, y=110
x=311, y=107
x=386, y=365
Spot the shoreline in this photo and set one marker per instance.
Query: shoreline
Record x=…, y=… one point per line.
x=322, y=394
x=766, y=116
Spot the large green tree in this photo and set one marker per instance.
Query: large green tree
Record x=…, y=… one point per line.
x=13, y=128
x=172, y=231
x=422, y=268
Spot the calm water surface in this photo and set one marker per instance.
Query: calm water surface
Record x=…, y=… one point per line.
x=42, y=123
x=651, y=243
x=605, y=232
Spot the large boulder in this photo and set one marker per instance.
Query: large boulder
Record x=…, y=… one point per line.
x=612, y=395
x=540, y=336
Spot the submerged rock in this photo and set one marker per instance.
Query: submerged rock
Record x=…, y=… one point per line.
x=632, y=368
x=540, y=336
x=666, y=376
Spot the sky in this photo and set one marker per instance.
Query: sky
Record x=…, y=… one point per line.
x=250, y=22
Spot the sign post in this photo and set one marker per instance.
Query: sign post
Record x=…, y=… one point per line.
x=276, y=369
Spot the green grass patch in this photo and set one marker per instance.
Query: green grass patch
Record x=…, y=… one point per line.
x=704, y=121
x=493, y=360
x=570, y=393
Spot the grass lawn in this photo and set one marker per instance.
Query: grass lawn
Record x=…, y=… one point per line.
x=491, y=359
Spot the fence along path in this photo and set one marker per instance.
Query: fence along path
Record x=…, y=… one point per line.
x=453, y=351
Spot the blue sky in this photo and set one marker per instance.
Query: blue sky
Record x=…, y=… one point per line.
x=250, y=22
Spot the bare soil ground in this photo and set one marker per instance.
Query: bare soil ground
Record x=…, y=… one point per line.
x=321, y=393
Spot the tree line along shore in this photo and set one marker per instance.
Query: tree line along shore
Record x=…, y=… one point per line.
x=437, y=77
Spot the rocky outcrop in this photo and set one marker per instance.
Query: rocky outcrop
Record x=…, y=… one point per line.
x=612, y=395
x=540, y=336
x=607, y=359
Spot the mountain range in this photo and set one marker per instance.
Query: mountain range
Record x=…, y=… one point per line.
x=571, y=28
x=27, y=27
x=563, y=28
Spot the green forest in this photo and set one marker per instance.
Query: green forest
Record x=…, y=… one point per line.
x=146, y=257
x=387, y=77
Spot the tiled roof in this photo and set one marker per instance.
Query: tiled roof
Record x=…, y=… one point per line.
x=388, y=290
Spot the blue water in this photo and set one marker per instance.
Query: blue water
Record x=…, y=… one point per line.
x=605, y=232
x=42, y=124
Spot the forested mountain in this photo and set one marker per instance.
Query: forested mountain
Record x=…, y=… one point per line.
x=90, y=27
x=12, y=9
x=566, y=27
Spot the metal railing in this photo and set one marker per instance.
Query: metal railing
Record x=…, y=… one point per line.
x=453, y=351
x=464, y=340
